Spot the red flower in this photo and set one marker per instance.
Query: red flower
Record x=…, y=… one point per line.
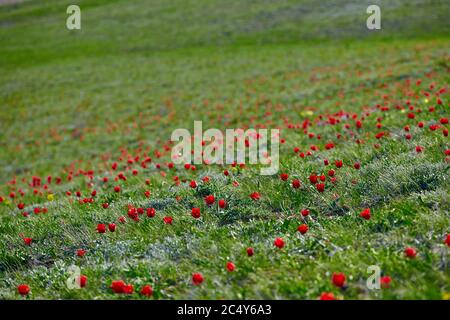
x=122, y=219
x=338, y=163
x=410, y=252
x=365, y=213
x=338, y=279
x=27, y=241
x=209, y=200
x=112, y=227
x=385, y=282
x=197, y=279
x=117, y=188
x=21, y=206
x=250, y=251
x=101, y=228
x=331, y=173
x=313, y=178
x=327, y=296
x=168, y=220
x=279, y=243
x=255, y=196
x=303, y=228
x=222, y=203
x=147, y=290
x=118, y=286
x=81, y=253
x=147, y=193
x=447, y=240
x=23, y=289
x=193, y=184
x=151, y=212
x=128, y=289
x=284, y=176
x=320, y=187
x=230, y=266
x=195, y=213
x=357, y=165
x=82, y=280
x=296, y=183
x=419, y=149
x=105, y=205
x=305, y=212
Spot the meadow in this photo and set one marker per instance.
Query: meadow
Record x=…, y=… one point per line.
x=87, y=181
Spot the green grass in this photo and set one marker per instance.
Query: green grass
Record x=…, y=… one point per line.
x=72, y=100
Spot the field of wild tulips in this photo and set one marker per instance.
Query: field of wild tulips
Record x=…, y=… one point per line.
x=89, y=195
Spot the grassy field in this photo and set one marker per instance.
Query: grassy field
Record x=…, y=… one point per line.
x=76, y=103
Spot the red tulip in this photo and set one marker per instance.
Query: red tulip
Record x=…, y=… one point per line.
x=279, y=243
x=23, y=289
x=197, y=279
x=338, y=279
x=168, y=220
x=222, y=203
x=147, y=291
x=365, y=213
x=255, y=196
x=296, y=183
x=303, y=228
x=320, y=187
x=195, y=213
x=305, y=212
x=82, y=281
x=81, y=253
x=250, y=251
x=385, y=282
x=101, y=228
x=112, y=227
x=327, y=296
x=410, y=252
x=27, y=241
x=230, y=266
x=209, y=200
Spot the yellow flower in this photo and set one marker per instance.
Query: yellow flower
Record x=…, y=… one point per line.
x=50, y=197
x=446, y=296
x=306, y=113
x=426, y=100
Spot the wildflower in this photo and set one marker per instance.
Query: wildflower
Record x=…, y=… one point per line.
x=151, y=212
x=327, y=296
x=230, y=266
x=112, y=227
x=117, y=188
x=82, y=281
x=365, y=213
x=195, y=212
x=118, y=286
x=303, y=228
x=168, y=220
x=255, y=196
x=284, y=176
x=320, y=187
x=296, y=183
x=410, y=252
x=197, y=279
x=193, y=184
x=222, y=203
x=23, y=289
x=338, y=163
x=147, y=291
x=27, y=241
x=250, y=251
x=279, y=243
x=338, y=279
x=209, y=200
x=305, y=212
x=101, y=228
x=81, y=253
x=385, y=282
